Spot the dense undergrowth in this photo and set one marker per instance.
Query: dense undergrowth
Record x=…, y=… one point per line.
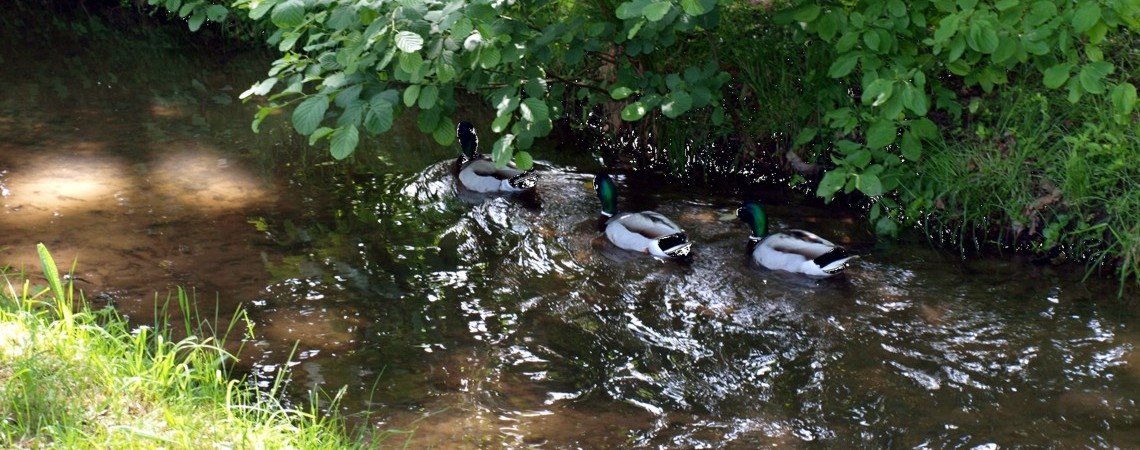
x=75, y=377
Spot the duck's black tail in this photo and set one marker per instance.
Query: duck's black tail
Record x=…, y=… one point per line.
x=676, y=245
x=834, y=261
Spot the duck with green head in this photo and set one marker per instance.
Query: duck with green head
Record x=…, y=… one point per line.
x=478, y=173
x=796, y=251
x=646, y=232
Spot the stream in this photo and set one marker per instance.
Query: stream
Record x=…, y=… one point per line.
x=465, y=321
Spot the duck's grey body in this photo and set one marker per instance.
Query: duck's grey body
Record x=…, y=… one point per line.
x=795, y=251
x=647, y=232
x=477, y=173
x=480, y=175
x=800, y=251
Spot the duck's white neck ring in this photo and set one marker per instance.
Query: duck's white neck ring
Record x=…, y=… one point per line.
x=755, y=238
x=607, y=214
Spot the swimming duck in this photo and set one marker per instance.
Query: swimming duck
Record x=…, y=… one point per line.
x=645, y=232
x=478, y=173
x=796, y=251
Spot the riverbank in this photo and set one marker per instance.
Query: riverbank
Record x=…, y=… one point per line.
x=85, y=378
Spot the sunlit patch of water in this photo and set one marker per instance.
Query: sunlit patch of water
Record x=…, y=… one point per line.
x=191, y=175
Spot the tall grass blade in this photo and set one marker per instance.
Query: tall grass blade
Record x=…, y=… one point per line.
x=51, y=273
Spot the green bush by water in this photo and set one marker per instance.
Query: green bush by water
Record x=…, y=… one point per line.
x=73, y=377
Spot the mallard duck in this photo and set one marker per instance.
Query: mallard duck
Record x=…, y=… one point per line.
x=796, y=251
x=478, y=173
x=645, y=232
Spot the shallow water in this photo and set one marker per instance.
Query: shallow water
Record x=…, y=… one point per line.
x=477, y=322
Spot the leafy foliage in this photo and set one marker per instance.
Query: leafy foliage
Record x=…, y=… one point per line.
x=907, y=59
x=353, y=64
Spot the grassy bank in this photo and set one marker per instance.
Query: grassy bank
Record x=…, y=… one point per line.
x=1034, y=173
x=72, y=377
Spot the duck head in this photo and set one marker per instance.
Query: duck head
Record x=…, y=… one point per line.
x=752, y=214
x=607, y=193
x=468, y=140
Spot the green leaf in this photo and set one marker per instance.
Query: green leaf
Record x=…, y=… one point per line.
x=309, y=114
x=886, y=226
x=1091, y=79
x=288, y=14
x=411, y=93
x=1006, y=4
x=656, y=11
x=881, y=134
x=1056, y=76
x=827, y=26
x=878, y=92
x=428, y=96
x=489, y=57
x=633, y=31
x=831, y=183
x=379, y=117
x=1042, y=11
x=536, y=87
x=847, y=42
x=924, y=128
x=196, y=20
x=51, y=273
x=915, y=100
x=1006, y=49
x=629, y=10
x=947, y=27
x=523, y=161
x=1124, y=101
x=259, y=11
x=676, y=103
x=860, y=158
x=620, y=92
x=806, y=135
x=534, y=110
x=633, y=111
x=444, y=133
x=967, y=5
x=897, y=8
x=982, y=37
x=869, y=184
x=501, y=150
x=411, y=62
x=500, y=123
x=444, y=71
x=911, y=147
x=693, y=7
x=871, y=40
x=806, y=13
x=843, y=65
x=1087, y=15
x=344, y=141
x=409, y=42
x=260, y=88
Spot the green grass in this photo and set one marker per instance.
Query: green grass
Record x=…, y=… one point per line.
x=1034, y=172
x=73, y=377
